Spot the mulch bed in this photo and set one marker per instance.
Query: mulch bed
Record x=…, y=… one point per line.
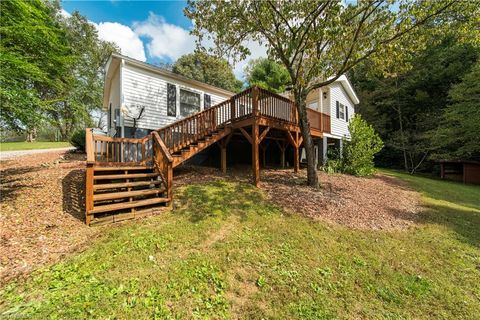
x=42, y=204
x=380, y=202
x=42, y=211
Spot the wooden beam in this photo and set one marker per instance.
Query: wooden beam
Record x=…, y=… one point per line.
x=264, y=134
x=291, y=139
x=255, y=158
x=246, y=135
x=89, y=193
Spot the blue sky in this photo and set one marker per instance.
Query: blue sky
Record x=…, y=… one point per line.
x=151, y=31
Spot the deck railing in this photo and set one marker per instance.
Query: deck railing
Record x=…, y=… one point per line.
x=319, y=121
x=275, y=106
x=102, y=149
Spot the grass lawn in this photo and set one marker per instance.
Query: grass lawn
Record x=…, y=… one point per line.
x=14, y=146
x=225, y=252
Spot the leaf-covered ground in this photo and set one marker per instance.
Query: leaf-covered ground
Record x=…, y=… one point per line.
x=226, y=251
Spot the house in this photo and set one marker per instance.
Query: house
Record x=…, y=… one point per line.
x=159, y=120
x=140, y=97
x=330, y=109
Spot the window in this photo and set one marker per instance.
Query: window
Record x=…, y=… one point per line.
x=207, y=101
x=189, y=102
x=342, y=111
x=171, y=100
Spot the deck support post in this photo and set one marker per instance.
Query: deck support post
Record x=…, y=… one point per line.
x=282, y=146
x=255, y=156
x=324, y=150
x=223, y=153
x=89, y=193
x=296, y=154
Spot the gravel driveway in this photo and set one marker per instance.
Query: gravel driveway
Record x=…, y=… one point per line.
x=5, y=155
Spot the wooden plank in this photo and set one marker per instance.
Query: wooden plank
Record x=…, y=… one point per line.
x=124, y=176
x=264, y=134
x=246, y=135
x=296, y=155
x=101, y=168
x=127, y=205
x=126, y=194
x=125, y=185
x=89, y=145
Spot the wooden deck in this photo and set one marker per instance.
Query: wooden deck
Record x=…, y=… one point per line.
x=125, y=176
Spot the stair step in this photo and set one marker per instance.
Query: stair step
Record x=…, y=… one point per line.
x=127, y=205
x=126, y=194
x=125, y=176
x=125, y=185
x=122, y=168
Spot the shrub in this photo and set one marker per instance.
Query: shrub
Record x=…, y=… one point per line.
x=78, y=139
x=358, y=153
x=334, y=163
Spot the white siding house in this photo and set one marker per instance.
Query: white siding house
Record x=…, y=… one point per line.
x=139, y=97
x=337, y=100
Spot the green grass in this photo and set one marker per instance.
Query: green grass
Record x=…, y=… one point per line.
x=226, y=252
x=14, y=146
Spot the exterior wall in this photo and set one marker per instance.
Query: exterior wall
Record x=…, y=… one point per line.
x=114, y=100
x=145, y=88
x=340, y=126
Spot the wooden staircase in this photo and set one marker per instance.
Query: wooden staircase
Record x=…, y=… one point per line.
x=126, y=177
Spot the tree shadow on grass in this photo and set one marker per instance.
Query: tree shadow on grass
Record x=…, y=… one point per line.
x=447, y=203
x=73, y=190
x=222, y=199
x=12, y=183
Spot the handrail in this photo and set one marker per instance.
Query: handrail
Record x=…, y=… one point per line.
x=162, y=146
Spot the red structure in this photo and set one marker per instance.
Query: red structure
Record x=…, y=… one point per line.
x=460, y=170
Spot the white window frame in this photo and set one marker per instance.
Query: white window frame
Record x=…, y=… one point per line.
x=341, y=111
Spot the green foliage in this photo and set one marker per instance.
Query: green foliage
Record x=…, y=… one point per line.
x=51, y=67
x=34, y=61
x=78, y=139
x=334, y=163
x=360, y=151
x=208, y=69
x=14, y=146
x=251, y=260
x=457, y=135
x=406, y=109
x=267, y=74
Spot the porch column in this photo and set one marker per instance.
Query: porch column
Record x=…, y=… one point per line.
x=255, y=157
x=324, y=150
x=340, y=148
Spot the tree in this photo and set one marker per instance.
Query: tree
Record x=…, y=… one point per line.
x=83, y=93
x=457, y=135
x=315, y=41
x=33, y=62
x=407, y=106
x=267, y=74
x=208, y=69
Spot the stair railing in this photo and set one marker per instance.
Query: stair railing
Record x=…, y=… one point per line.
x=163, y=162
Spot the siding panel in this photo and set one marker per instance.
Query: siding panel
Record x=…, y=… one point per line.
x=340, y=126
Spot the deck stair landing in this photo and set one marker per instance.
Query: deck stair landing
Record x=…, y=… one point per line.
x=127, y=177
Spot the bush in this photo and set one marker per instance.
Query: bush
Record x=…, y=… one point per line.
x=358, y=153
x=78, y=140
x=334, y=163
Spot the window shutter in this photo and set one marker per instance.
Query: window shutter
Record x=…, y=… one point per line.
x=207, y=101
x=338, y=110
x=346, y=113
x=171, y=100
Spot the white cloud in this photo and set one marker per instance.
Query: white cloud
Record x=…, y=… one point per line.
x=164, y=40
x=123, y=36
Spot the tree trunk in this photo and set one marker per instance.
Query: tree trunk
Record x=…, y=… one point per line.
x=300, y=100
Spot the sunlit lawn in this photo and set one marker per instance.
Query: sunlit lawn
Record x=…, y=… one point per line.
x=225, y=252
x=14, y=146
